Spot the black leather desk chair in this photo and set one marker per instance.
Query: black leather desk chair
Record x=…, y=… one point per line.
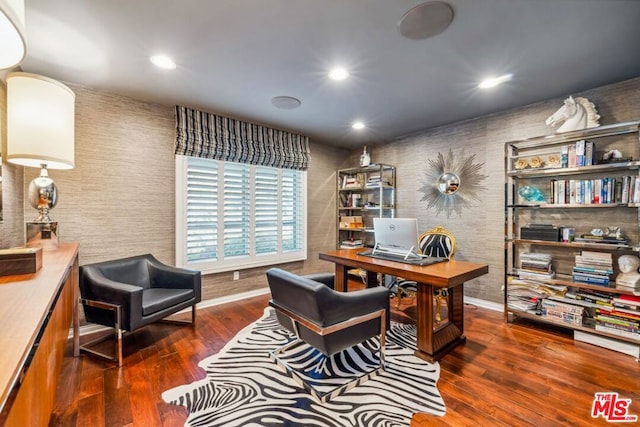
x=328, y=320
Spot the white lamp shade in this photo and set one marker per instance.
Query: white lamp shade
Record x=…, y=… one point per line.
x=13, y=46
x=40, y=122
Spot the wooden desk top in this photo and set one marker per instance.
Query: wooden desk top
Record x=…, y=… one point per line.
x=443, y=274
x=25, y=301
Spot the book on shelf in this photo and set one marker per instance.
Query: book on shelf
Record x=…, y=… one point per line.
x=550, y=303
x=540, y=285
x=596, y=255
x=521, y=304
x=558, y=311
x=350, y=182
x=617, y=322
x=593, y=297
x=616, y=331
x=627, y=301
x=590, y=279
x=623, y=315
x=582, y=269
x=607, y=190
x=567, y=300
x=538, y=256
x=526, y=274
x=587, y=238
x=626, y=310
x=580, y=153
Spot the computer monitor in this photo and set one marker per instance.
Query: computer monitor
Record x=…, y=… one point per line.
x=396, y=235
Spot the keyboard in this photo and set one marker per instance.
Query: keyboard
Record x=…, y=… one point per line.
x=424, y=260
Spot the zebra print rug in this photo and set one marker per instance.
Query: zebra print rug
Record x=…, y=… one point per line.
x=243, y=387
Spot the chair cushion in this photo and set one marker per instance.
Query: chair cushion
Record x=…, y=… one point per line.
x=156, y=299
x=436, y=245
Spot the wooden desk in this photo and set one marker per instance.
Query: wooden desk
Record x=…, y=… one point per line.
x=432, y=343
x=36, y=311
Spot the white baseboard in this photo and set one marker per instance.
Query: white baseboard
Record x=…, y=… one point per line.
x=489, y=305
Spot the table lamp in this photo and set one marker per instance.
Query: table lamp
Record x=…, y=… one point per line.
x=40, y=133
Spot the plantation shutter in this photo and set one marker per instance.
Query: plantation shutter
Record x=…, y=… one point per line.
x=266, y=207
x=202, y=210
x=292, y=222
x=236, y=208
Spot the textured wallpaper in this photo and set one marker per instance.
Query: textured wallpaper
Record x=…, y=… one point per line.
x=119, y=200
x=479, y=229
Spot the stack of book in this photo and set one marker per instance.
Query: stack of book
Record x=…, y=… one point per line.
x=560, y=311
x=353, y=243
x=594, y=268
x=350, y=182
x=375, y=181
x=526, y=295
x=579, y=154
x=621, y=318
x=627, y=302
x=535, y=265
x=609, y=240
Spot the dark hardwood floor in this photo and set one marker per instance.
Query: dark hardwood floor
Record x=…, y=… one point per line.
x=505, y=374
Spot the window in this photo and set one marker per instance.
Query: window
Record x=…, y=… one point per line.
x=235, y=215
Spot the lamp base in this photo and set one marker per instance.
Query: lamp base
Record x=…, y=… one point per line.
x=42, y=235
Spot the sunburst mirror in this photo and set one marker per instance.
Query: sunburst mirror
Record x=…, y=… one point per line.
x=452, y=183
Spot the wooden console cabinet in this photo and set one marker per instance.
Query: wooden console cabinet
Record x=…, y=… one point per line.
x=36, y=311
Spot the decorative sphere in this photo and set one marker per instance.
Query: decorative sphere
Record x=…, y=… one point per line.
x=42, y=196
x=448, y=183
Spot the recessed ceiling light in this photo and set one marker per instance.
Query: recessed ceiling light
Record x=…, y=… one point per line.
x=358, y=125
x=163, y=61
x=338, y=74
x=495, y=81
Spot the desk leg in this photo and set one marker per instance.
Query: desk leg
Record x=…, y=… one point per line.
x=372, y=279
x=340, y=281
x=455, y=305
x=434, y=344
x=424, y=321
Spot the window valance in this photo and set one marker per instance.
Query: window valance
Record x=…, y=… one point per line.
x=200, y=134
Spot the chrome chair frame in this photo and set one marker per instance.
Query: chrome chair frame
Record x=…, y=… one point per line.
x=320, y=330
x=118, y=332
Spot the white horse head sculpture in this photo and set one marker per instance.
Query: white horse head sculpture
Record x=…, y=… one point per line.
x=576, y=114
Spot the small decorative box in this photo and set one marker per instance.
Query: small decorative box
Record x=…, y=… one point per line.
x=20, y=261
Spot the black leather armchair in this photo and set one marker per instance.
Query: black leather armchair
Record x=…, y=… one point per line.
x=129, y=293
x=328, y=320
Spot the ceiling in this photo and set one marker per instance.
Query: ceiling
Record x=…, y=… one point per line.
x=234, y=56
